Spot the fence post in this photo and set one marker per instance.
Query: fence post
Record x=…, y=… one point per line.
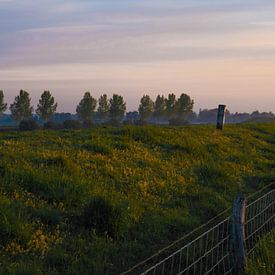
x=221, y=116
x=238, y=234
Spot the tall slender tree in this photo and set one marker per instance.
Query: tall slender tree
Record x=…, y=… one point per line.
x=159, y=107
x=103, y=107
x=184, y=105
x=117, y=108
x=86, y=107
x=3, y=105
x=146, y=108
x=46, y=106
x=21, y=107
x=171, y=106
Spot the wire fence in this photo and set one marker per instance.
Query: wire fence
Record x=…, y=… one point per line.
x=260, y=219
x=211, y=252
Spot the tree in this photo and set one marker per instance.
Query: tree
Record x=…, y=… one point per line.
x=103, y=107
x=46, y=106
x=171, y=105
x=184, y=105
x=21, y=107
x=86, y=107
x=3, y=105
x=117, y=108
x=159, y=107
x=146, y=108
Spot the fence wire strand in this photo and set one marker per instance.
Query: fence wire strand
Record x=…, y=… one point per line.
x=211, y=252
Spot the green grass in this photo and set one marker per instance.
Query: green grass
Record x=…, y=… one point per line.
x=153, y=184
x=263, y=258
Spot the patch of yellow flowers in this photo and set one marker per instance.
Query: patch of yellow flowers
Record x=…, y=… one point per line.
x=39, y=243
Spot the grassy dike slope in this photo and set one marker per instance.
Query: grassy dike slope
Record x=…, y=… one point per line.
x=97, y=201
x=262, y=261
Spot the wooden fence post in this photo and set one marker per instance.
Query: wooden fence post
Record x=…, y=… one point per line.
x=221, y=117
x=238, y=234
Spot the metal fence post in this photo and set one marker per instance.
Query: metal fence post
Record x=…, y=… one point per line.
x=238, y=234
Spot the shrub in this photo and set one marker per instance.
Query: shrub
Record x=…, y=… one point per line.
x=178, y=122
x=28, y=125
x=72, y=124
x=128, y=122
x=102, y=216
x=113, y=122
x=51, y=125
x=141, y=122
x=87, y=124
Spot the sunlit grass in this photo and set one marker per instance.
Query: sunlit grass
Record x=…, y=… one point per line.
x=262, y=260
x=160, y=181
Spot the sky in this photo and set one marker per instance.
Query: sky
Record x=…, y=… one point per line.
x=217, y=51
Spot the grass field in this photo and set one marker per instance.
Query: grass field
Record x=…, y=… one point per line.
x=98, y=201
x=263, y=259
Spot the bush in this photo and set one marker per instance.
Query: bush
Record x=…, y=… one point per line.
x=141, y=122
x=178, y=122
x=128, y=122
x=51, y=125
x=102, y=216
x=87, y=124
x=72, y=124
x=28, y=125
x=134, y=122
x=113, y=122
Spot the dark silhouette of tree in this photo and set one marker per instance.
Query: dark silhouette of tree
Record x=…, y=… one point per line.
x=46, y=106
x=103, y=107
x=21, y=107
x=146, y=108
x=3, y=105
x=159, y=107
x=171, y=106
x=86, y=107
x=117, y=108
x=184, y=105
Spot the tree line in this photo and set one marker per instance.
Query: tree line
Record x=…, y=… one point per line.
x=106, y=109
x=172, y=110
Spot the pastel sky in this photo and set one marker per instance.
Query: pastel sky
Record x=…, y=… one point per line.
x=218, y=51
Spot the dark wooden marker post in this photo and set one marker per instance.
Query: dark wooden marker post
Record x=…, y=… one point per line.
x=238, y=234
x=221, y=117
